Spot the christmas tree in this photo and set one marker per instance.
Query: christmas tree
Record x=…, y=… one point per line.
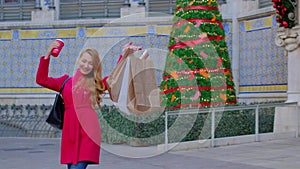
x=198, y=70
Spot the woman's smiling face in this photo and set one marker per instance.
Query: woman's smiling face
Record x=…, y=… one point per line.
x=86, y=63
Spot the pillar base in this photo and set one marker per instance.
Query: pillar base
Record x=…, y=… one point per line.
x=286, y=120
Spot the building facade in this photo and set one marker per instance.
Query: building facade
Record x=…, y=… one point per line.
x=28, y=26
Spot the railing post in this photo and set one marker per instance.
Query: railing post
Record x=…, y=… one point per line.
x=212, y=143
x=297, y=122
x=257, y=123
x=166, y=131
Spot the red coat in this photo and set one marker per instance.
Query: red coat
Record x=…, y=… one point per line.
x=81, y=133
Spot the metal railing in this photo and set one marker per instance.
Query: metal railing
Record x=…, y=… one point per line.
x=26, y=121
x=213, y=111
x=29, y=120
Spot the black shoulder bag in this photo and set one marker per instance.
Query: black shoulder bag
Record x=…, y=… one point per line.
x=56, y=116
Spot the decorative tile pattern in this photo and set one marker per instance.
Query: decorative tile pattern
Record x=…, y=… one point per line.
x=227, y=27
x=228, y=37
x=81, y=33
x=15, y=34
x=6, y=35
x=260, y=23
x=163, y=29
x=112, y=31
x=47, y=33
x=262, y=63
x=24, y=47
x=151, y=29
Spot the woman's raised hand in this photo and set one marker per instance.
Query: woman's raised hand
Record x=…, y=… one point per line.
x=130, y=49
x=54, y=44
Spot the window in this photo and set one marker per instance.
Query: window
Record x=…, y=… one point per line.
x=11, y=1
x=16, y=10
x=161, y=6
x=265, y=3
x=85, y=9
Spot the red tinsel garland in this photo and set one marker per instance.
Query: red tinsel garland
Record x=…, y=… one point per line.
x=197, y=20
x=214, y=8
x=192, y=43
x=197, y=71
x=196, y=87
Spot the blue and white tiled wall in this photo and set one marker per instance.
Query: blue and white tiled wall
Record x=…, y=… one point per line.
x=21, y=49
x=263, y=66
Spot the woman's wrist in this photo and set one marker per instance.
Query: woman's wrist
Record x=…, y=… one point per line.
x=47, y=55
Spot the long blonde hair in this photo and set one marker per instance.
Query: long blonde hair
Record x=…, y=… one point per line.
x=93, y=81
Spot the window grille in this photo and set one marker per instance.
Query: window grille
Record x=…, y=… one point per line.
x=265, y=3
x=89, y=9
x=16, y=10
x=157, y=7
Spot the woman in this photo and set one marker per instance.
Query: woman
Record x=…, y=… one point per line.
x=81, y=133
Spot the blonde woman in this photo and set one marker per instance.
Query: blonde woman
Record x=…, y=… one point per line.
x=81, y=133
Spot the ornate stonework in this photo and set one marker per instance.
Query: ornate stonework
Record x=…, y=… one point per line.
x=288, y=38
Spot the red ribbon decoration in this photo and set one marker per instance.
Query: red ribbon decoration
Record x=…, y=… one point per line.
x=198, y=7
x=209, y=70
x=179, y=23
x=192, y=43
x=193, y=72
x=196, y=87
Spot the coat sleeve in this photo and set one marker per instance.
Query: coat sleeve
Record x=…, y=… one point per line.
x=43, y=79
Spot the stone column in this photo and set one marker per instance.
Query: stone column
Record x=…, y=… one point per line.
x=235, y=46
x=290, y=40
x=286, y=117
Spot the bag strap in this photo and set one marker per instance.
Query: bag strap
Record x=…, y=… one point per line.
x=63, y=85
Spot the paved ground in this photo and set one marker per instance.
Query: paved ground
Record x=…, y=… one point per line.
x=30, y=153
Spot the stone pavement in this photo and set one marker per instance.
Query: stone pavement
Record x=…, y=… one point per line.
x=35, y=153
